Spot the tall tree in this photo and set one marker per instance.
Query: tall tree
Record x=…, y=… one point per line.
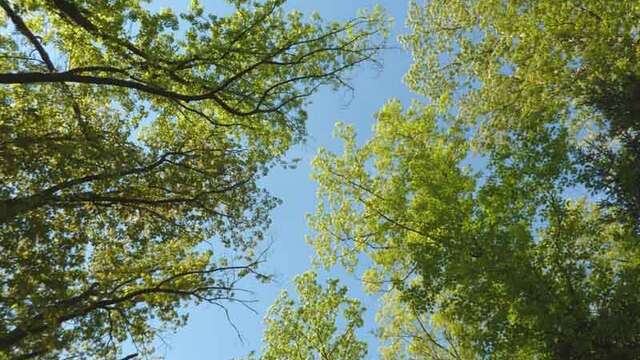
x=510, y=259
x=132, y=142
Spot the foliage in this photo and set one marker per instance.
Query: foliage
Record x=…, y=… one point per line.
x=508, y=259
x=308, y=329
x=509, y=69
x=494, y=263
x=132, y=144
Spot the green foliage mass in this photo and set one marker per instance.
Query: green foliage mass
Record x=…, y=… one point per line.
x=500, y=218
x=510, y=70
x=131, y=146
x=308, y=328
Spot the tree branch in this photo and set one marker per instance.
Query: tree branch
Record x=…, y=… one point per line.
x=24, y=30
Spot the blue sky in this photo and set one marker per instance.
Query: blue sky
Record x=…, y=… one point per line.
x=208, y=334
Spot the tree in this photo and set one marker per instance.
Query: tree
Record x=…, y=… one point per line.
x=485, y=263
x=510, y=259
x=308, y=329
x=132, y=145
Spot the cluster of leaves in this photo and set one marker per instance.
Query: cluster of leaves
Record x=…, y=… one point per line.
x=307, y=329
x=132, y=144
x=511, y=69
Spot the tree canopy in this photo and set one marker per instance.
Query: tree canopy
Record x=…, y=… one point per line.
x=499, y=218
x=132, y=144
